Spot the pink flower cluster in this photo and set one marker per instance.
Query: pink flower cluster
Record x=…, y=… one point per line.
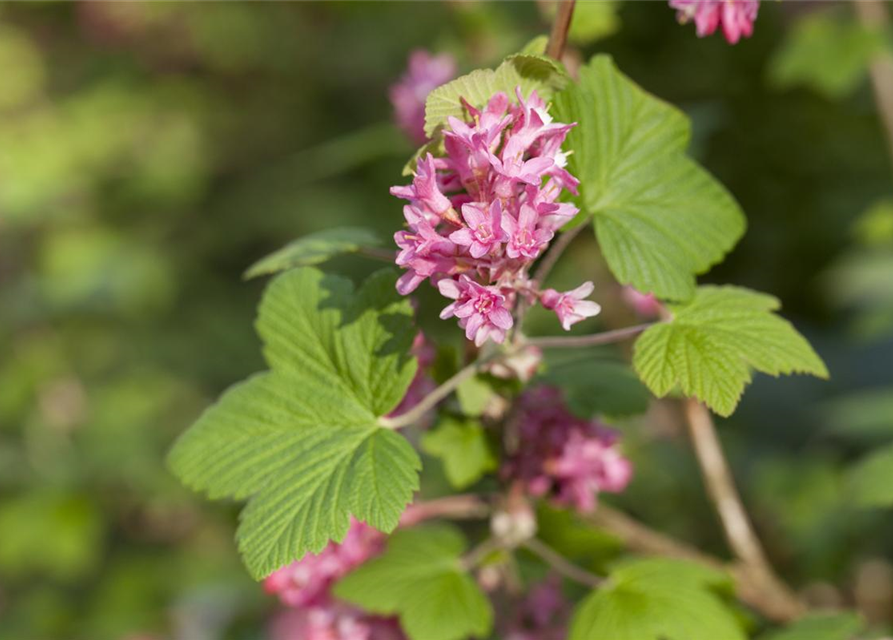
x=736, y=17
x=480, y=216
x=563, y=457
x=542, y=615
x=306, y=586
x=425, y=73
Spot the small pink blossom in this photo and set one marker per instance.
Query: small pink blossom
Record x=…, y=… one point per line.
x=524, y=238
x=644, y=304
x=408, y=95
x=481, y=310
x=484, y=231
x=571, y=306
x=736, y=17
x=334, y=621
x=542, y=614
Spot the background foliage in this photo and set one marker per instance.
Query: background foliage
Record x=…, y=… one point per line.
x=150, y=153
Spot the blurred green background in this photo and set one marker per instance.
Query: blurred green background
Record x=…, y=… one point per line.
x=150, y=152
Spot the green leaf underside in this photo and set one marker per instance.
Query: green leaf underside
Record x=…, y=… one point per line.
x=658, y=600
x=713, y=343
x=660, y=218
x=421, y=579
x=314, y=249
x=302, y=441
x=527, y=70
x=594, y=386
x=462, y=447
x=871, y=480
x=820, y=626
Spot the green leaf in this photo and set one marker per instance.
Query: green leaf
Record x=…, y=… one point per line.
x=302, y=441
x=871, y=480
x=474, y=394
x=660, y=218
x=713, y=342
x=593, y=386
x=314, y=249
x=593, y=20
x=820, y=626
x=463, y=448
x=658, y=600
x=421, y=578
x=827, y=51
x=527, y=70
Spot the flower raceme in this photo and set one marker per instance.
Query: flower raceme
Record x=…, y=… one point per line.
x=563, y=457
x=735, y=17
x=479, y=216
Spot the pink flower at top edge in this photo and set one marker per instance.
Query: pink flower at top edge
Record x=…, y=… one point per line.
x=735, y=17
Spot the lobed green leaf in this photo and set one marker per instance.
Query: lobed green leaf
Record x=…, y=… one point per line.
x=463, y=448
x=713, y=343
x=313, y=249
x=660, y=218
x=302, y=441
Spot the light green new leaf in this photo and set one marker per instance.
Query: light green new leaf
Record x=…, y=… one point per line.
x=527, y=70
x=313, y=249
x=871, y=480
x=420, y=578
x=474, y=394
x=658, y=600
x=463, y=448
x=714, y=341
x=820, y=626
x=660, y=218
x=828, y=51
x=302, y=441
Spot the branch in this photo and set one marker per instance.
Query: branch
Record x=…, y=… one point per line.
x=645, y=540
x=459, y=507
x=591, y=340
x=735, y=522
x=427, y=403
x=558, y=37
x=558, y=562
x=873, y=15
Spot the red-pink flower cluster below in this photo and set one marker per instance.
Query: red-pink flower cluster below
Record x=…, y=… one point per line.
x=481, y=215
x=561, y=456
x=543, y=613
x=306, y=587
x=408, y=95
x=735, y=17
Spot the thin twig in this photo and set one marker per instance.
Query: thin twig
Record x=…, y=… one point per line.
x=605, y=337
x=427, y=403
x=562, y=565
x=642, y=539
x=736, y=524
x=873, y=16
x=477, y=555
x=558, y=37
x=460, y=507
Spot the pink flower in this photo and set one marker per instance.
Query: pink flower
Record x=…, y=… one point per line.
x=484, y=231
x=543, y=613
x=644, y=304
x=425, y=73
x=571, y=306
x=424, y=192
x=481, y=310
x=525, y=239
x=334, y=621
x=563, y=457
x=736, y=17
x=309, y=580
